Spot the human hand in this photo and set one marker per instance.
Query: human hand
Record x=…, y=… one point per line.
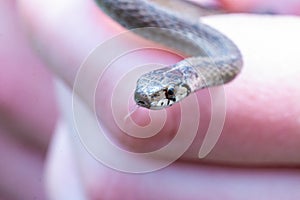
x=256, y=132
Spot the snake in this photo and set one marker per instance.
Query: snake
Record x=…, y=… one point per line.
x=212, y=58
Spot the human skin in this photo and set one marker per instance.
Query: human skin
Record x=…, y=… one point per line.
x=28, y=111
x=278, y=7
x=261, y=127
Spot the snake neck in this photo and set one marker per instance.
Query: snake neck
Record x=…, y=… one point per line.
x=207, y=73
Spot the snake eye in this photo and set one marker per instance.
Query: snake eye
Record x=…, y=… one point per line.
x=170, y=91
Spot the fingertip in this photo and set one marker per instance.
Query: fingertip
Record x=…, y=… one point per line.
x=238, y=6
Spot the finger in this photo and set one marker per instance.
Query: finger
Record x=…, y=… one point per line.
x=265, y=6
x=183, y=181
x=254, y=130
x=27, y=105
x=27, y=111
x=62, y=167
x=70, y=164
x=21, y=169
x=259, y=110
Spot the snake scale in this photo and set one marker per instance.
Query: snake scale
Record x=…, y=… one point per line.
x=214, y=58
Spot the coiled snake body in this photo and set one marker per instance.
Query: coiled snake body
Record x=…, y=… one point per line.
x=214, y=60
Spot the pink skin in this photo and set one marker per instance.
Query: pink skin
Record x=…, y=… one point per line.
x=28, y=111
x=261, y=127
x=279, y=6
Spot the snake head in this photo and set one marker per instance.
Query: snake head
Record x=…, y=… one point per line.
x=159, y=89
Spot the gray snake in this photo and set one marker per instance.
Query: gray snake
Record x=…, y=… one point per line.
x=214, y=58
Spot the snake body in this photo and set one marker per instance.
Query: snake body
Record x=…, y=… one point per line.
x=214, y=58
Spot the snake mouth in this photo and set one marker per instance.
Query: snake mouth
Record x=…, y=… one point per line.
x=141, y=101
x=143, y=104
